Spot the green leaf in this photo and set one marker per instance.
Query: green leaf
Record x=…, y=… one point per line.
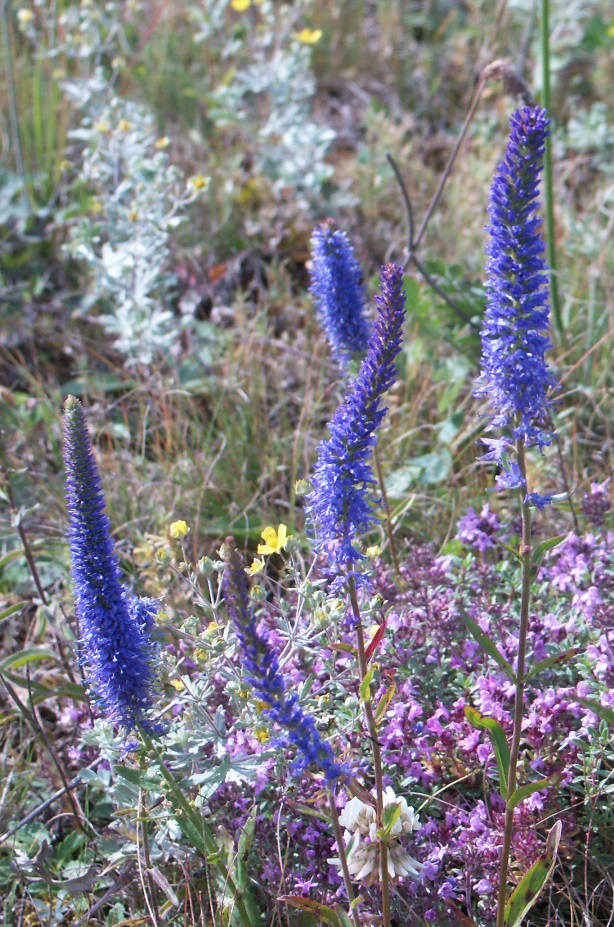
x=390, y=816
x=11, y=610
x=321, y=911
x=498, y=740
x=344, y=919
x=606, y=713
x=22, y=657
x=383, y=703
x=488, y=645
x=525, y=790
x=551, y=661
x=511, y=550
x=140, y=778
x=528, y=889
x=365, y=685
x=544, y=546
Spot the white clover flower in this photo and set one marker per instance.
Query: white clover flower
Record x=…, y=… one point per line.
x=363, y=845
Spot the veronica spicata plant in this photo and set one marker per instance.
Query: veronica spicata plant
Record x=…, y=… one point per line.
x=116, y=627
x=342, y=498
x=515, y=377
x=516, y=380
x=264, y=674
x=338, y=292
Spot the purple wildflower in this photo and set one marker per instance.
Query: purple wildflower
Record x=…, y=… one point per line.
x=478, y=530
x=340, y=502
x=515, y=375
x=264, y=675
x=338, y=291
x=116, y=627
x=597, y=503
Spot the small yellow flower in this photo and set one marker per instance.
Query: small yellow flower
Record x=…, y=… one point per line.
x=200, y=654
x=261, y=735
x=212, y=626
x=373, y=552
x=24, y=17
x=256, y=567
x=178, y=530
x=197, y=182
x=308, y=36
x=133, y=215
x=240, y=5
x=162, y=143
x=102, y=126
x=274, y=541
x=177, y=684
x=96, y=208
x=123, y=125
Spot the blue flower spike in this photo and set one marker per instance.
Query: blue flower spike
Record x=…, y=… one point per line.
x=262, y=672
x=342, y=498
x=338, y=292
x=116, y=627
x=515, y=376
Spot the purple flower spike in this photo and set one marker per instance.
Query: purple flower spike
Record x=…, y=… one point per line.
x=338, y=292
x=515, y=375
x=343, y=480
x=263, y=673
x=116, y=627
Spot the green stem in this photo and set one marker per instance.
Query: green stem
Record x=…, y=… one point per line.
x=347, y=879
x=525, y=602
x=544, y=36
x=377, y=754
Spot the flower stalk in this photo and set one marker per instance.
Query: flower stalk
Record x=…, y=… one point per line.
x=525, y=603
x=378, y=773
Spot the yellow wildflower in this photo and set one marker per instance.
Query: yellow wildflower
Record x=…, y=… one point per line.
x=308, y=36
x=178, y=530
x=274, y=541
x=177, y=684
x=373, y=552
x=162, y=143
x=261, y=735
x=96, y=208
x=256, y=567
x=197, y=182
x=102, y=126
x=123, y=125
x=240, y=5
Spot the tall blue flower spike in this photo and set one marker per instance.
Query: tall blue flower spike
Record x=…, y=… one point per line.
x=515, y=376
x=116, y=627
x=338, y=292
x=340, y=502
x=263, y=673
